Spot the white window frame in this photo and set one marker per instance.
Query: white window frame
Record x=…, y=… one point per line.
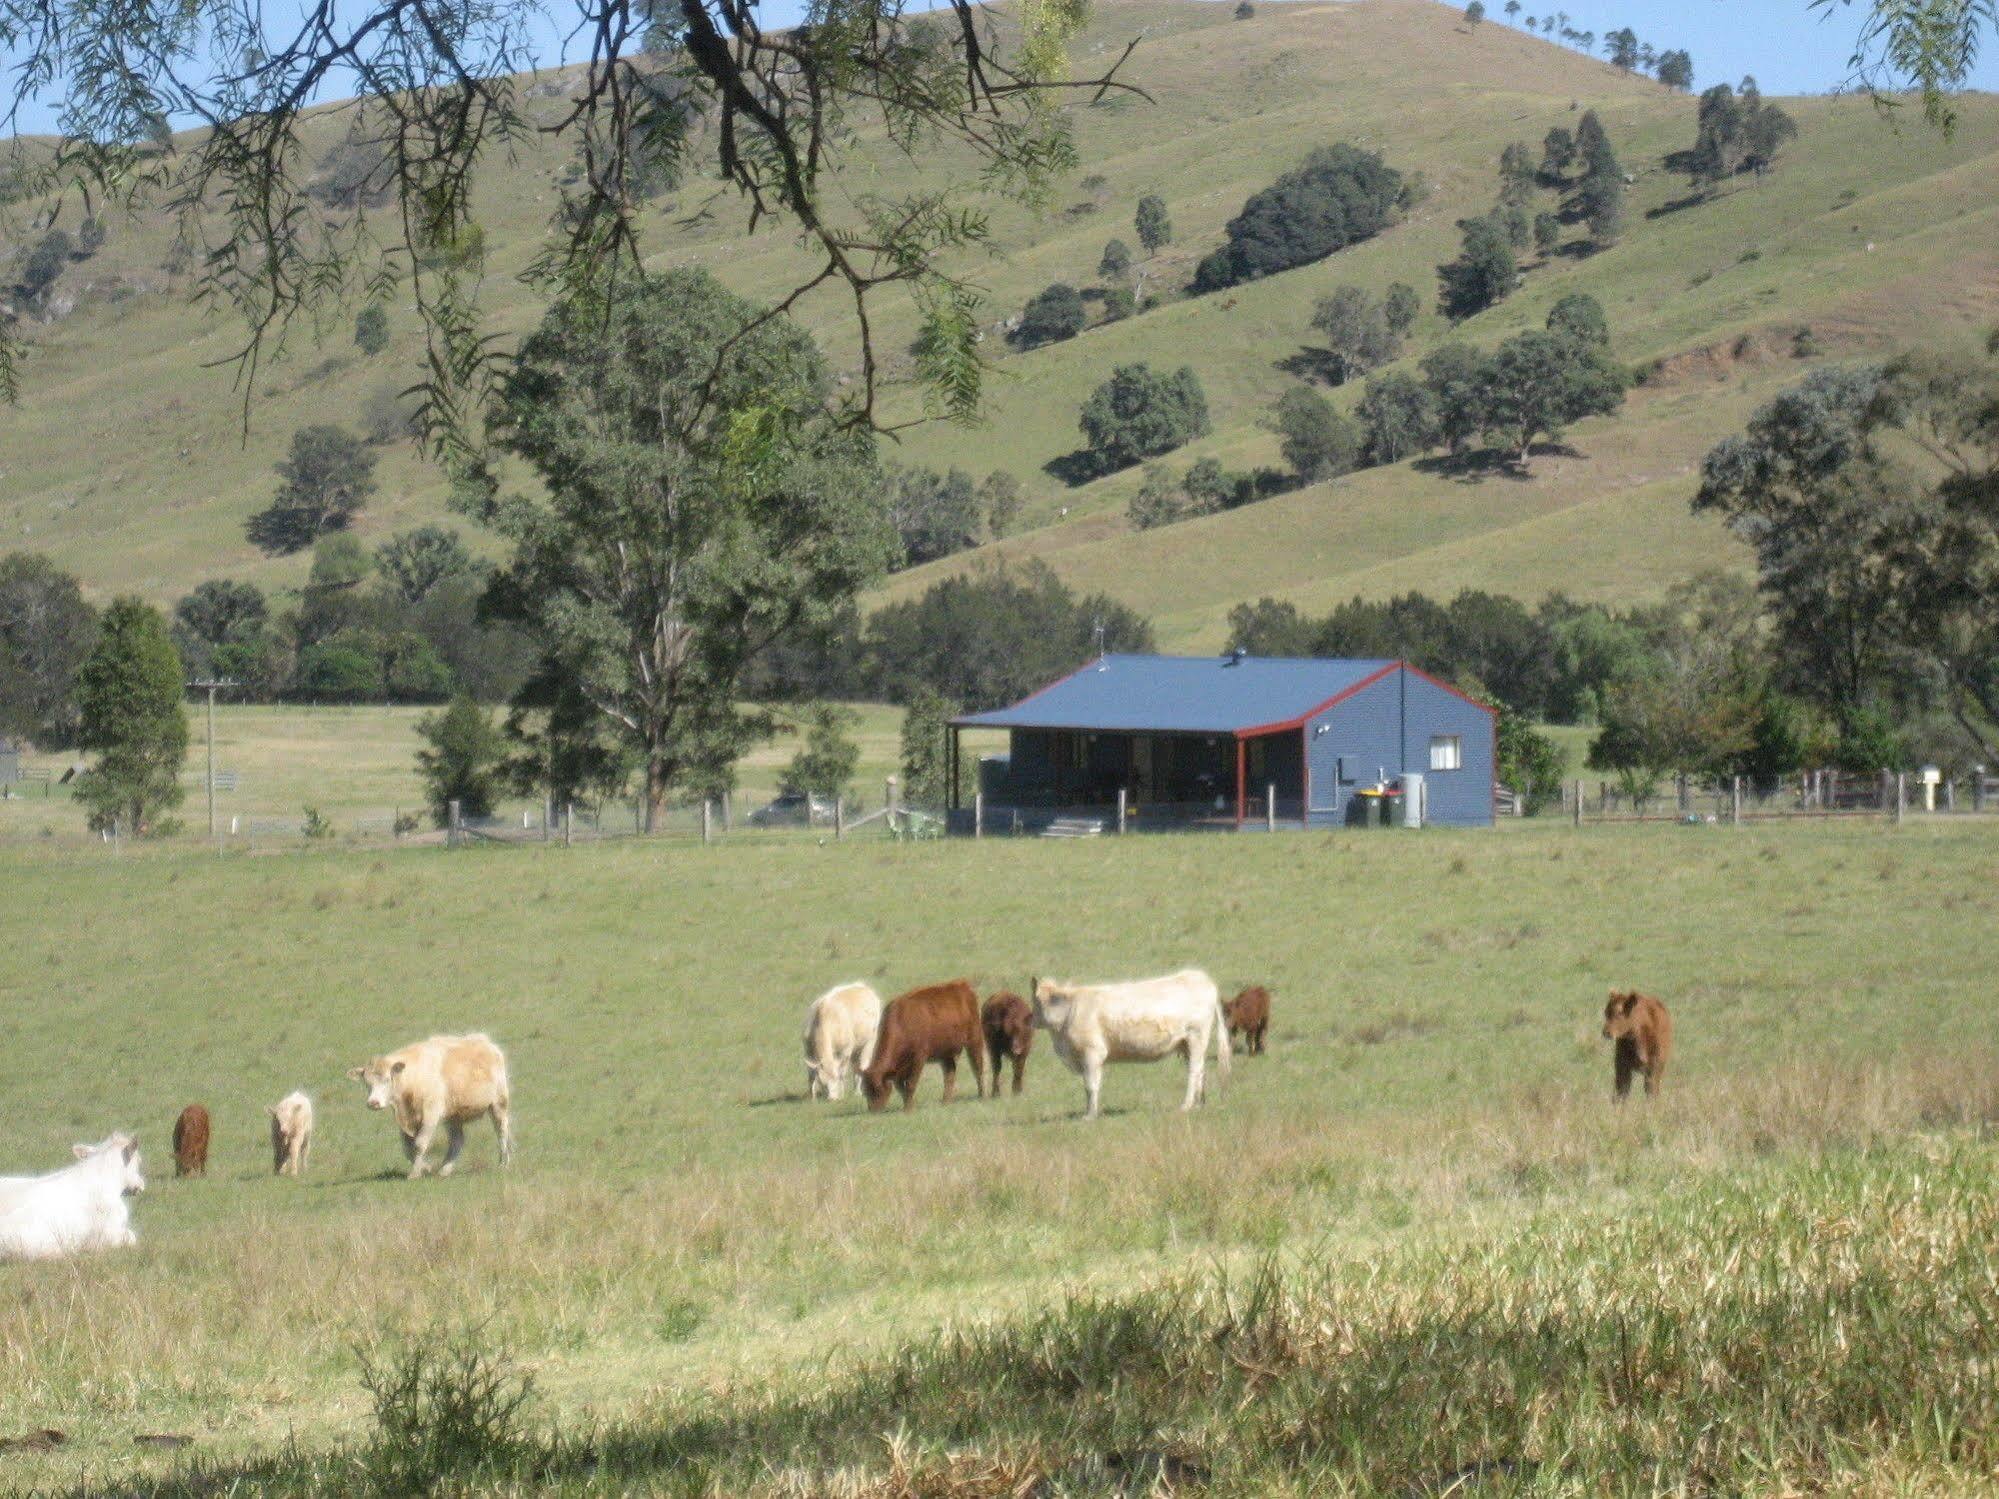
x=1454, y=746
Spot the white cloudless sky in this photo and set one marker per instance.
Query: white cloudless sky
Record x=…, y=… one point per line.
x=1789, y=46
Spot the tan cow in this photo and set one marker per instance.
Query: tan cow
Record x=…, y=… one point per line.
x=840, y=1038
x=1141, y=1021
x=291, y=1134
x=446, y=1081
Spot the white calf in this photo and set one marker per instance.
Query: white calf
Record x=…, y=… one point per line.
x=82, y=1206
x=840, y=1029
x=1091, y=1024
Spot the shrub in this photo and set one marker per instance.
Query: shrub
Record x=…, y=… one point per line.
x=1055, y=314
x=461, y=760
x=1339, y=196
x=1139, y=414
x=441, y=1411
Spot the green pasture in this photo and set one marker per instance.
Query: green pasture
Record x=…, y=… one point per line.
x=684, y=1239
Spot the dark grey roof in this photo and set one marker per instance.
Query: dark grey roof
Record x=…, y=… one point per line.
x=1184, y=694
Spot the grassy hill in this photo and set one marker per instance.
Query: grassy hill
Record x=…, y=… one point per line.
x=127, y=462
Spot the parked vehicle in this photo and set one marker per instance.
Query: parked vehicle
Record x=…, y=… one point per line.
x=793, y=809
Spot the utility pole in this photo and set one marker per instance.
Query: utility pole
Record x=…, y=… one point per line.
x=211, y=687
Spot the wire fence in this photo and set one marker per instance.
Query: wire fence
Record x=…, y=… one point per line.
x=1819, y=794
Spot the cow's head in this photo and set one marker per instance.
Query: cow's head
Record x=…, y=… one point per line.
x=1618, y=1015
x=876, y=1090
x=123, y=1150
x=379, y=1078
x=1050, y=1000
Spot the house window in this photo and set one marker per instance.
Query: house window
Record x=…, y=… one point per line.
x=1446, y=752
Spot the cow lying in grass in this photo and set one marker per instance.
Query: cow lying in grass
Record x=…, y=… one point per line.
x=923, y=1026
x=82, y=1206
x=446, y=1080
x=1643, y=1033
x=1009, y=1026
x=840, y=1038
x=1091, y=1024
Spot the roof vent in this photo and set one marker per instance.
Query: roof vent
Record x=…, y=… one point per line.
x=1236, y=653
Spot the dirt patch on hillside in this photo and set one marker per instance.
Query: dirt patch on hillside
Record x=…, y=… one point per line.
x=1758, y=348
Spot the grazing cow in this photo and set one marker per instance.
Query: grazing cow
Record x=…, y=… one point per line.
x=1009, y=1027
x=1091, y=1024
x=1249, y=1012
x=446, y=1081
x=82, y=1206
x=1643, y=1033
x=191, y=1141
x=925, y=1025
x=291, y=1134
x=840, y=1031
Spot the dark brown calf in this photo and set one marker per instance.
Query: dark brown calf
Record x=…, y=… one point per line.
x=1643, y=1033
x=925, y=1025
x=191, y=1141
x=1009, y=1026
x=1249, y=1012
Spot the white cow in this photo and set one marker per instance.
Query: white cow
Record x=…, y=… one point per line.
x=446, y=1081
x=840, y=1029
x=291, y=1134
x=82, y=1206
x=1142, y=1021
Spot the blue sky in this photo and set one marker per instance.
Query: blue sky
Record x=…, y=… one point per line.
x=1789, y=47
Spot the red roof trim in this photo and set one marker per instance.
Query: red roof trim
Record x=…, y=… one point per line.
x=1311, y=713
x=1447, y=687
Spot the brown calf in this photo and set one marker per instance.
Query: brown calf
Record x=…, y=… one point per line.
x=926, y=1025
x=1643, y=1031
x=191, y=1141
x=1249, y=1012
x=1008, y=1022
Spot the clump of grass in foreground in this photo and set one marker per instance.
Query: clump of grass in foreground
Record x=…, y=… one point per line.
x=1817, y=1327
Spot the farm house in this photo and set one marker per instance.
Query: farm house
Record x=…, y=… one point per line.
x=1236, y=741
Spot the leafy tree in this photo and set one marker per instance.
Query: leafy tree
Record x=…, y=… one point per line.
x=45, y=263
x=1209, y=487
x=824, y=765
x=1475, y=12
x=1676, y=70
x=1529, y=762
x=1401, y=306
x=1718, y=139
x=563, y=748
x=1000, y=500
x=934, y=514
x=775, y=113
x=461, y=760
x=1593, y=148
x=1621, y=47
x=1932, y=48
x=46, y=631
x=128, y=703
x=1339, y=196
x=1119, y=303
x=346, y=667
x=1484, y=273
x=1398, y=418
x=1809, y=488
x=1153, y=226
x=1115, y=263
x=1159, y=501
x=322, y=485
x=1541, y=382
x=218, y=613
x=1603, y=207
x=1459, y=384
x=1138, y=414
x=1050, y=316
x=1769, y=130
x=1512, y=9
x=691, y=517
x=1547, y=233
x=1357, y=332
x=1244, y=11
x=371, y=329
x=1519, y=228
x=1579, y=315
x=1516, y=173
x=925, y=759
x=993, y=635
x=91, y=235
x=415, y=562
x=1316, y=440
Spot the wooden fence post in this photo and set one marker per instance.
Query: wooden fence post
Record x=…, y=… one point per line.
x=707, y=813
x=456, y=828
x=1978, y=788
x=728, y=819
x=1270, y=808
x=568, y=823
x=1901, y=795
x=1576, y=812
x=978, y=814
x=839, y=818
x=547, y=816
x=1735, y=802
x=1120, y=809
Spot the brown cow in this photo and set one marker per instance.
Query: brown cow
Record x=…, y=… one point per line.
x=1249, y=1012
x=926, y=1025
x=1008, y=1022
x=1643, y=1031
x=191, y=1141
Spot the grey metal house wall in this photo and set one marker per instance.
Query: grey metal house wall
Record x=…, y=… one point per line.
x=1366, y=731
x=1456, y=798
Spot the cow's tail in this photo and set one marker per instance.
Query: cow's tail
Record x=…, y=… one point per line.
x=1221, y=1038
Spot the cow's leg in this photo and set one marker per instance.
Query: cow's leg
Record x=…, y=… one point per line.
x=454, y=1142
x=1019, y=1071
x=418, y=1146
x=1653, y=1074
x=981, y=1063
x=503, y=1126
x=1093, y=1084
x=1626, y=1065
x=1197, y=1078
x=949, y=1062
x=906, y=1082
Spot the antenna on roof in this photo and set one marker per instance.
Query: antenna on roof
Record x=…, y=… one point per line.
x=1236, y=653
x=1097, y=634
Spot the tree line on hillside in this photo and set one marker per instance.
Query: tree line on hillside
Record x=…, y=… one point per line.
x=1623, y=47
